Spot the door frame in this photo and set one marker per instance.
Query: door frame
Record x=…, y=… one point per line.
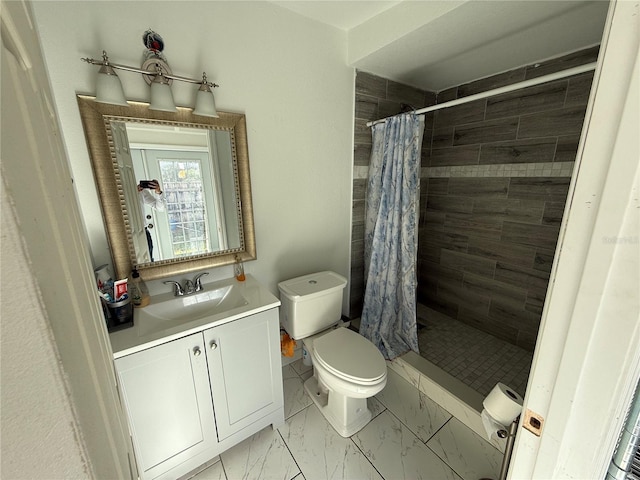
x=587, y=359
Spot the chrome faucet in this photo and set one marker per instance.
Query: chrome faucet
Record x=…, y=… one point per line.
x=178, y=291
x=189, y=285
x=198, y=285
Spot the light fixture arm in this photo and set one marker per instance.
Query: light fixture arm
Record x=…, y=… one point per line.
x=105, y=62
x=191, y=80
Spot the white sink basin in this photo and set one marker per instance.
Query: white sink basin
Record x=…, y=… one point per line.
x=166, y=312
x=168, y=317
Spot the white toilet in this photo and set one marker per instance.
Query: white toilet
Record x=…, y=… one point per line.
x=347, y=368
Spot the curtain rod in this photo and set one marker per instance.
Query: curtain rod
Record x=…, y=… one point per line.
x=506, y=89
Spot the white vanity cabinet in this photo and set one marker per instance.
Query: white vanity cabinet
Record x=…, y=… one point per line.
x=165, y=391
x=245, y=371
x=189, y=399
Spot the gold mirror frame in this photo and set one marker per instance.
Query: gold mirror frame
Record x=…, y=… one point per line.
x=96, y=118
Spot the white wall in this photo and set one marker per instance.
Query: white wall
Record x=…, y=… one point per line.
x=286, y=73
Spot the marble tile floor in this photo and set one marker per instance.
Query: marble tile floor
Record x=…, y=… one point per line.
x=410, y=437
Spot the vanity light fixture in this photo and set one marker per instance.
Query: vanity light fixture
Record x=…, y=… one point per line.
x=108, y=86
x=205, y=103
x=161, y=95
x=157, y=74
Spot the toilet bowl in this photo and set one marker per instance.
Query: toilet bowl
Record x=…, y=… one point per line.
x=347, y=368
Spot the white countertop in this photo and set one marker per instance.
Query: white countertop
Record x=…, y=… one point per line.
x=128, y=341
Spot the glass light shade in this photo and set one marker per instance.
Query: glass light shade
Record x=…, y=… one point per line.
x=205, y=103
x=161, y=96
x=108, y=87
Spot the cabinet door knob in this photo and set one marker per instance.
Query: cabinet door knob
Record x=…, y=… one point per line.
x=214, y=345
x=196, y=352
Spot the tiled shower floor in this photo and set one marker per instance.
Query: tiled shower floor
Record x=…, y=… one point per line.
x=476, y=358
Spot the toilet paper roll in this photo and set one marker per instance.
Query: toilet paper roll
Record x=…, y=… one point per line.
x=503, y=404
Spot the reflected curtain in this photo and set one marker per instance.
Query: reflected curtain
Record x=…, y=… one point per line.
x=391, y=235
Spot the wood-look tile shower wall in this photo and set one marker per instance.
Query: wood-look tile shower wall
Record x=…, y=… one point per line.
x=495, y=179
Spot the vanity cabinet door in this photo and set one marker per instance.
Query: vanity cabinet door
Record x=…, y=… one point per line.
x=165, y=390
x=245, y=370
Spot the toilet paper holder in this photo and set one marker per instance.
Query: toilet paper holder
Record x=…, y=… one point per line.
x=532, y=422
x=502, y=407
x=508, y=450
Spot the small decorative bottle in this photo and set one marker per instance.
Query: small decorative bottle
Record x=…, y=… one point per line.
x=139, y=291
x=238, y=269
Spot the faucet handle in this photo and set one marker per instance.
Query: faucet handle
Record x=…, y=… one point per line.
x=198, y=284
x=177, y=290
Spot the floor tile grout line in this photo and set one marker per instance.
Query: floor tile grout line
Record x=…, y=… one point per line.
x=298, y=412
x=364, y=454
x=425, y=443
x=350, y=438
x=379, y=413
x=290, y=453
x=224, y=470
x=420, y=394
x=445, y=461
x=441, y=427
x=451, y=416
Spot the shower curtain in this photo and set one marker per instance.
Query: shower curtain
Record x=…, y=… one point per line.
x=391, y=231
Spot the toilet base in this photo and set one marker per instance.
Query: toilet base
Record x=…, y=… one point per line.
x=346, y=415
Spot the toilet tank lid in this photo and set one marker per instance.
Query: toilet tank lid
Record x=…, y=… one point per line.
x=313, y=284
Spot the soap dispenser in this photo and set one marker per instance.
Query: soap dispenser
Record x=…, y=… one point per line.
x=139, y=291
x=238, y=269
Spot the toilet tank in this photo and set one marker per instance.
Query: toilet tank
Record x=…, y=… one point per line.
x=311, y=303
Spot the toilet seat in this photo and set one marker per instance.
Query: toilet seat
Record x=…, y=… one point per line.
x=349, y=356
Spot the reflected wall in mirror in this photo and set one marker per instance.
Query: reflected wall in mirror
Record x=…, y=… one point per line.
x=197, y=210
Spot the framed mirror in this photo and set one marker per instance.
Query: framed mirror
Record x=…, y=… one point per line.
x=174, y=188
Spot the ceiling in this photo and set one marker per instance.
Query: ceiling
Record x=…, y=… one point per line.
x=342, y=14
x=434, y=45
